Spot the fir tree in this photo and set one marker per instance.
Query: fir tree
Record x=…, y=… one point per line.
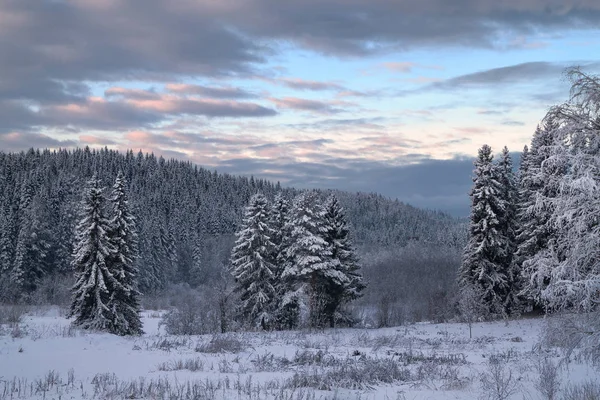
x=251, y=264
x=483, y=267
x=95, y=281
x=124, y=300
x=343, y=283
x=285, y=302
x=541, y=185
x=309, y=265
x=508, y=228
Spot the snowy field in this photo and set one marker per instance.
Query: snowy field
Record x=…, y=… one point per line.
x=44, y=358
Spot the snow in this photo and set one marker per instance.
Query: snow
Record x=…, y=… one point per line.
x=50, y=345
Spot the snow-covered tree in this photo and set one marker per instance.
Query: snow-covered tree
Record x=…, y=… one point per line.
x=309, y=266
x=251, y=264
x=508, y=227
x=343, y=283
x=546, y=165
x=483, y=266
x=574, y=277
x=124, y=300
x=95, y=281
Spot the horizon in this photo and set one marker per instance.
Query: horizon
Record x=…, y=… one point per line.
x=372, y=96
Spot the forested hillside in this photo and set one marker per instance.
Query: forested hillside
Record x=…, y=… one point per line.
x=186, y=218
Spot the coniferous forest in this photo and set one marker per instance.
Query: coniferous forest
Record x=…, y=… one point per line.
x=190, y=225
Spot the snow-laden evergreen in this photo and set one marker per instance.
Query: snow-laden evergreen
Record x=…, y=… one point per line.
x=483, y=268
x=508, y=228
x=309, y=266
x=344, y=261
x=252, y=266
x=572, y=259
x=93, y=251
x=538, y=236
x=124, y=300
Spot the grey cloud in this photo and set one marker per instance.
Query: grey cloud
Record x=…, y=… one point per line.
x=510, y=122
x=231, y=109
x=302, y=84
x=294, y=103
x=212, y=92
x=21, y=141
x=355, y=27
x=503, y=75
x=105, y=115
x=435, y=184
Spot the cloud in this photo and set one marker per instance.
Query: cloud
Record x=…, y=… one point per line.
x=316, y=106
x=404, y=67
x=15, y=141
x=302, y=84
x=227, y=92
x=512, y=74
x=435, y=184
x=359, y=27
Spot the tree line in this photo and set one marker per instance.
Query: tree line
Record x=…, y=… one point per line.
x=186, y=220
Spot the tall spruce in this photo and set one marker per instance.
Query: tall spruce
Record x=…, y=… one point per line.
x=540, y=186
x=285, y=303
x=344, y=282
x=252, y=267
x=309, y=266
x=508, y=229
x=95, y=280
x=483, y=268
x=124, y=300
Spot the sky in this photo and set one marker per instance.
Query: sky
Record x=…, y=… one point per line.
x=384, y=96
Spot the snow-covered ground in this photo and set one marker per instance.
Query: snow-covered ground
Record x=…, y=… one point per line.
x=47, y=359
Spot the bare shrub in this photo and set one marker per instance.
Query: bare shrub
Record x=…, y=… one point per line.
x=548, y=382
x=53, y=289
x=268, y=362
x=12, y=315
x=198, y=311
x=583, y=391
x=498, y=382
x=351, y=374
x=222, y=343
x=191, y=315
x=190, y=364
x=576, y=334
x=168, y=343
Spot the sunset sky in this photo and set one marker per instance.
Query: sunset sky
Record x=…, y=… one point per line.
x=373, y=95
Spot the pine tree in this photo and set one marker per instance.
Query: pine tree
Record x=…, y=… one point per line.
x=251, y=264
x=343, y=282
x=483, y=267
x=124, y=300
x=95, y=282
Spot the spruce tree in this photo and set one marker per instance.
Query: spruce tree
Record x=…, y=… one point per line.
x=285, y=302
x=483, y=268
x=251, y=264
x=344, y=282
x=95, y=281
x=540, y=187
x=508, y=228
x=309, y=265
x=124, y=300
